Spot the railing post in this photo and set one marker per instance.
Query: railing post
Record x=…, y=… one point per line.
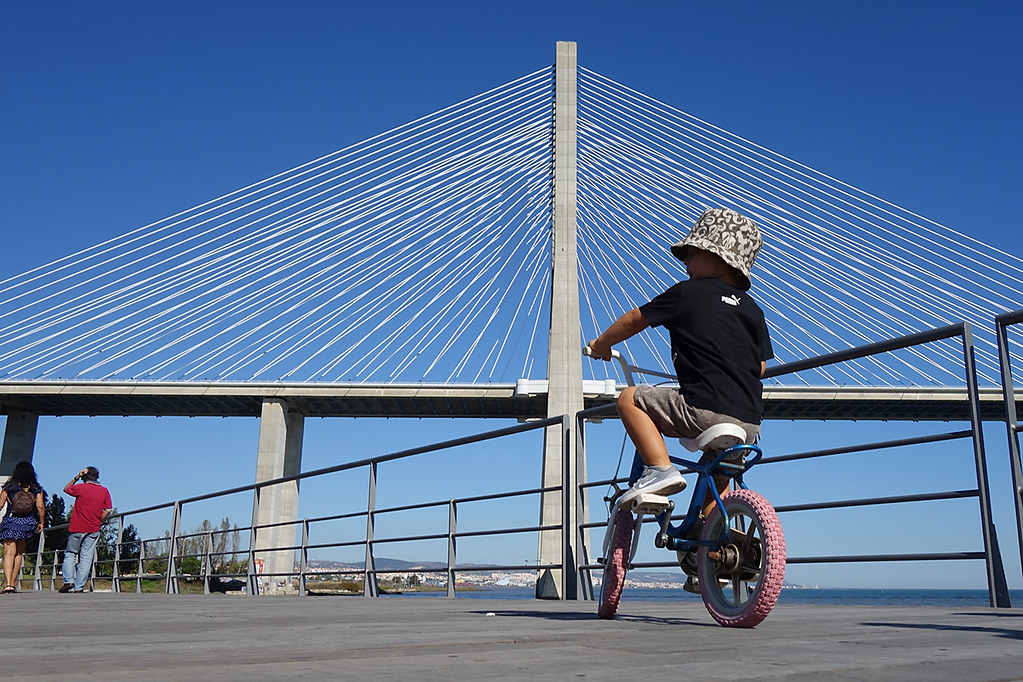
x=569, y=525
x=452, y=529
x=585, y=579
x=53, y=570
x=998, y=589
x=37, y=577
x=115, y=574
x=369, y=583
x=172, y=569
x=251, y=579
x=141, y=564
x=140, y=567
x=303, y=558
x=207, y=562
x=1011, y=418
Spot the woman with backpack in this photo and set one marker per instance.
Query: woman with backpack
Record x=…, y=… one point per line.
x=25, y=516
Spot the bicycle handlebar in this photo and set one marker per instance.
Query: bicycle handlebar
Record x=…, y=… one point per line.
x=588, y=352
x=629, y=369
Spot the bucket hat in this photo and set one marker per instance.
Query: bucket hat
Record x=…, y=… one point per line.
x=728, y=234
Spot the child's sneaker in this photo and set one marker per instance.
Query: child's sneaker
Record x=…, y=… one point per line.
x=693, y=584
x=658, y=481
x=688, y=564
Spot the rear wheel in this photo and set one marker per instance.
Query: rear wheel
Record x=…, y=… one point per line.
x=741, y=579
x=616, y=563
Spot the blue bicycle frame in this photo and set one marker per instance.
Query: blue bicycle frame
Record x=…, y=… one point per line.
x=678, y=536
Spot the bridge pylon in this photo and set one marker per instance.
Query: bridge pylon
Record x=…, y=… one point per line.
x=564, y=359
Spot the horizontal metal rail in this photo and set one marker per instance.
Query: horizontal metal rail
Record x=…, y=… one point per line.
x=875, y=501
x=854, y=558
x=868, y=447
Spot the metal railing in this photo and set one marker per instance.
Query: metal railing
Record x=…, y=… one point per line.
x=1012, y=426
x=170, y=554
x=997, y=587
x=576, y=563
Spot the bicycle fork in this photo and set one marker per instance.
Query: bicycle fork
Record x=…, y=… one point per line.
x=660, y=508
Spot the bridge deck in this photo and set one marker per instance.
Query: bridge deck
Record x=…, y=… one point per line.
x=50, y=636
x=434, y=400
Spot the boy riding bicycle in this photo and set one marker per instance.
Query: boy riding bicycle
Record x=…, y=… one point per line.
x=719, y=348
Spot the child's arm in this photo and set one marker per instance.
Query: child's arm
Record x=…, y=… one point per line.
x=626, y=326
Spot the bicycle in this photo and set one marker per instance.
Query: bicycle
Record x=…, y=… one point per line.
x=736, y=554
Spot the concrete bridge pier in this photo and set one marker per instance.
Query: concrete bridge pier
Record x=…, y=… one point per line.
x=19, y=441
x=279, y=455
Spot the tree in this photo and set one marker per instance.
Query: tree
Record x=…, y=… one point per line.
x=191, y=566
x=131, y=550
x=220, y=543
x=223, y=543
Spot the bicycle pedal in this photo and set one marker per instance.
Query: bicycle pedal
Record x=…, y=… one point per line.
x=650, y=503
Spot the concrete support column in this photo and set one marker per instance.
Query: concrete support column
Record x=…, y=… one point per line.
x=279, y=455
x=564, y=355
x=19, y=441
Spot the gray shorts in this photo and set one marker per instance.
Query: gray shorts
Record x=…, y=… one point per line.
x=677, y=419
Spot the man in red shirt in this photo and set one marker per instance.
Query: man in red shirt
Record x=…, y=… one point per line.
x=92, y=506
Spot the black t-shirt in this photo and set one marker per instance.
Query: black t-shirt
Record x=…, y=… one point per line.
x=718, y=340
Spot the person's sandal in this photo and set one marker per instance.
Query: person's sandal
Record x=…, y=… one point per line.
x=10, y=589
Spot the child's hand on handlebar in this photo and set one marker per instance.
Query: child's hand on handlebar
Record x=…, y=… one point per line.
x=596, y=350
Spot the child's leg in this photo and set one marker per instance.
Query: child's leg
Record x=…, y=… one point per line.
x=641, y=429
x=722, y=484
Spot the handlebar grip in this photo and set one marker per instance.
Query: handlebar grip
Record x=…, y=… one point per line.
x=588, y=352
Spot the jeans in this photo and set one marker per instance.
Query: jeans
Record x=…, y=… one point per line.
x=78, y=556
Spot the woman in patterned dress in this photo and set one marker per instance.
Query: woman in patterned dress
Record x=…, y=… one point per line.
x=15, y=531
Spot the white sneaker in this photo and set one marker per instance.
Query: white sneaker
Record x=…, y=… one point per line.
x=657, y=481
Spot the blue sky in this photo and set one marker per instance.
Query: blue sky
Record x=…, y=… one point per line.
x=120, y=113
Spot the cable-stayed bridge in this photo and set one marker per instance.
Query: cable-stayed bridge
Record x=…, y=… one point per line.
x=455, y=266
x=421, y=258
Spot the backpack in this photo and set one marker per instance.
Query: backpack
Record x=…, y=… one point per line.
x=23, y=503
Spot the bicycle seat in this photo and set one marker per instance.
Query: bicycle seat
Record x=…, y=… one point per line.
x=717, y=438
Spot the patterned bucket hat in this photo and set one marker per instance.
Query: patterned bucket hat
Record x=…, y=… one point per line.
x=729, y=234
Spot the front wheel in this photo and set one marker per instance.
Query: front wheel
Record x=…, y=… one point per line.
x=741, y=579
x=616, y=563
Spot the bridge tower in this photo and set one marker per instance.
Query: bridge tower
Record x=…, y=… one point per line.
x=564, y=359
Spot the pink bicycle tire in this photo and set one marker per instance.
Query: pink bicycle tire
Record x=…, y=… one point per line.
x=740, y=591
x=616, y=563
